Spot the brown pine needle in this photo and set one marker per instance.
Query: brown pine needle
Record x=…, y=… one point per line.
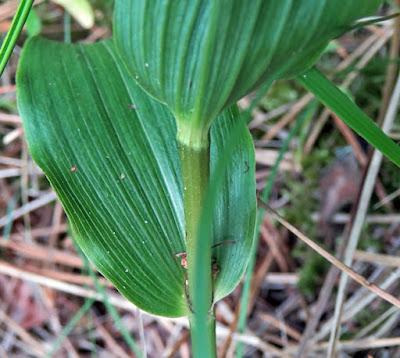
x=333, y=260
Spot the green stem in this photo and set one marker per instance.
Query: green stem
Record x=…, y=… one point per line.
x=195, y=161
x=18, y=22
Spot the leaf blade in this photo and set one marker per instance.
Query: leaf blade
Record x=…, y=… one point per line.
x=349, y=112
x=201, y=56
x=234, y=209
x=87, y=173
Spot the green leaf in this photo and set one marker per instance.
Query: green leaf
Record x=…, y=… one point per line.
x=337, y=101
x=234, y=205
x=118, y=186
x=110, y=152
x=201, y=56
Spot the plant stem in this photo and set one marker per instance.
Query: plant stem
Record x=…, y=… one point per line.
x=17, y=24
x=195, y=170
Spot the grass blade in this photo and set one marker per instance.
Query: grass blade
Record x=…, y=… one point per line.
x=339, y=103
x=18, y=22
x=109, y=306
x=69, y=327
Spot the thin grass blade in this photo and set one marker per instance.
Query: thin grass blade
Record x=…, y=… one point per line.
x=339, y=103
x=17, y=24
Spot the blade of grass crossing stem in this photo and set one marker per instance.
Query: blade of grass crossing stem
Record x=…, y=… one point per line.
x=70, y=326
x=245, y=297
x=338, y=102
x=17, y=24
x=110, y=308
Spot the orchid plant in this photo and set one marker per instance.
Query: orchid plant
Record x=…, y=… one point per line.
x=141, y=138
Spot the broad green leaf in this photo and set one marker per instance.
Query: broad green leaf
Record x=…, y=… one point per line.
x=110, y=152
x=201, y=56
x=80, y=10
x=118, y=186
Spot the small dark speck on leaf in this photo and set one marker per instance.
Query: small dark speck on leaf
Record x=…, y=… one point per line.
x=74, y=169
